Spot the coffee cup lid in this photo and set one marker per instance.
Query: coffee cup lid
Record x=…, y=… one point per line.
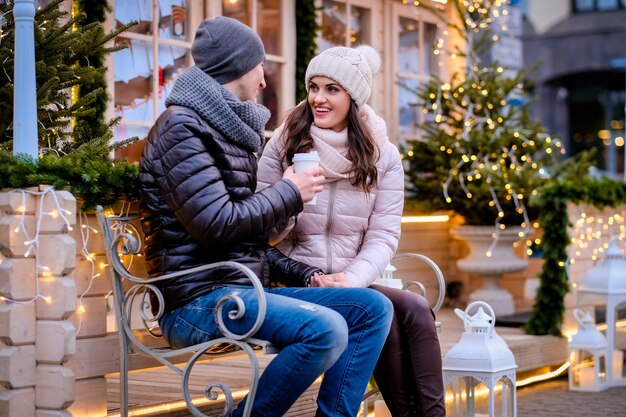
x=306, y=155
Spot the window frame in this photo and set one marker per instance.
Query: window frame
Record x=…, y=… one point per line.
x=376, y=41
x=195, y=11
x=421, y=16
x=200, y=10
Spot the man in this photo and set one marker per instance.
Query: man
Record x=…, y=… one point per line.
x=198, y=177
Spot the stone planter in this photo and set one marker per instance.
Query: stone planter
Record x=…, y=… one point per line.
x=490, y=268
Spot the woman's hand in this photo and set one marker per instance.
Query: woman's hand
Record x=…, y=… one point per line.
x=309, y=182
x=337, y=280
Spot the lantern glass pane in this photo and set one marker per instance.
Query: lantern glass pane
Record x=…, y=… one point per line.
x=619, y=344
x=469, y=397
x=584, y=370
x=504, y=398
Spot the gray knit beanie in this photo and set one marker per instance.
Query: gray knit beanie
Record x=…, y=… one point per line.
x=352, y=68
x=226, y=49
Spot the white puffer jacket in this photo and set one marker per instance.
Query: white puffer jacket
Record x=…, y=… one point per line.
x=347, y=230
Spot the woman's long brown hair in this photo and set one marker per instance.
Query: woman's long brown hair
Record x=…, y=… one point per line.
x=362, y=148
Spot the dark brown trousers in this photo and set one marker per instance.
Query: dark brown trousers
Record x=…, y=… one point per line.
x=409, y=372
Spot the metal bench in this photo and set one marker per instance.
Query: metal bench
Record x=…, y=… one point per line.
x=374, y=394
x=134, y=294
x=441, y=282
x=131, y=294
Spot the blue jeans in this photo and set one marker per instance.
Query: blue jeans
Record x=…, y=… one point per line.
x=336, y=331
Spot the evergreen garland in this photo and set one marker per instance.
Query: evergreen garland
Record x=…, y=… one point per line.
x=549, y=308
x=75, y=156
x=95, y=181
x=306, y=47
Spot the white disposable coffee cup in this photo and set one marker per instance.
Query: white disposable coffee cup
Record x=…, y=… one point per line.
x=305, y=161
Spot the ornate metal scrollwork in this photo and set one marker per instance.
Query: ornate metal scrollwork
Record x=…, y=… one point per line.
x=440, y=279
x=123, y=238
x=145, y=305
x=210, y=394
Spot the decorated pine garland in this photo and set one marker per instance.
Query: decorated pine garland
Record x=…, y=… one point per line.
x=95, y=181
x=549, y=308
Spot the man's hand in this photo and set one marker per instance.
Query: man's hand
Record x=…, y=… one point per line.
x=337, y=280
x=309, y=182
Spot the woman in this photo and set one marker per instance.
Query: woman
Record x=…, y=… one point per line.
x=353, y=230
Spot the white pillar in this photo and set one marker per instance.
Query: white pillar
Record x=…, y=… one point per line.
x=25, y=139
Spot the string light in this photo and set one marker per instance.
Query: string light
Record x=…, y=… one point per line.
x=86, y=231
x=500, y=170
x=238, y=394
x=590, y=232
x=32, y=242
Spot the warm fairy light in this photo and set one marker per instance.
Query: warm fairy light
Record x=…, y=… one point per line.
x=178, y=405
x=541, y=377
x=32, y=242
x=198, y=402
x=544, y=376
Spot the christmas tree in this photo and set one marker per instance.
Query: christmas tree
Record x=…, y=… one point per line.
x=74, y=139
x=480, y=153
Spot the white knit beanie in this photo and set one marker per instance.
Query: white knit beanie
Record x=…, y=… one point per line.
x=352, y=68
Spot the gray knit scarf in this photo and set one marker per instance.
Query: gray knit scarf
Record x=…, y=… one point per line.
x=241, y=122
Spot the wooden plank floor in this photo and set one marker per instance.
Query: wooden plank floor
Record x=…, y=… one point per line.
x=161, y=385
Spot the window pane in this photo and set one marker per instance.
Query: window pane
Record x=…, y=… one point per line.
x=360, y=26
x=607, y=4
x=333, y=25
x=430, y=42
x=174, y=20
x=125, y=130
x=584, y=5
x=408, y=110
x=269, y=96
x=238, y=9
x=269, y=19
x=139, y=10
x=408, y=46
x=133, y=79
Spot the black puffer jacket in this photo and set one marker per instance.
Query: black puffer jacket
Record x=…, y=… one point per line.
x=198, y=206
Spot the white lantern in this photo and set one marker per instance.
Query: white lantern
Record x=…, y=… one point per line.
x=387, y=278
x=480, y=369
x=587, y=350
x=605, y=285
